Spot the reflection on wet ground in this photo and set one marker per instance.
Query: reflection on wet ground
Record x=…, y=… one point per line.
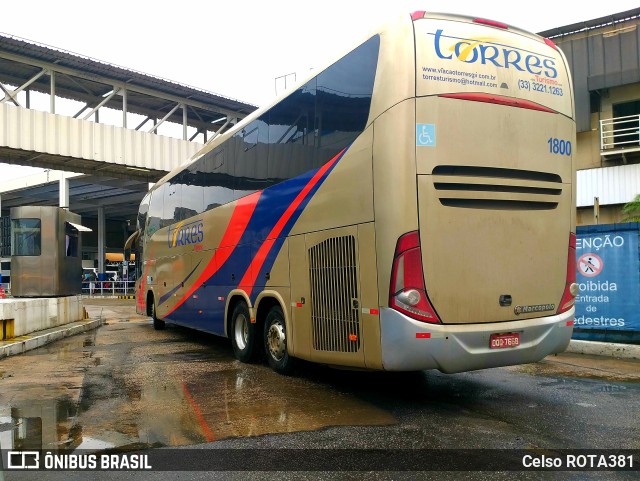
x=126, y=385
x=39, y=395
x=584, y=366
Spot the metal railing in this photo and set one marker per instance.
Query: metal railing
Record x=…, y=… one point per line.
x=102, y=288
x=620, y=132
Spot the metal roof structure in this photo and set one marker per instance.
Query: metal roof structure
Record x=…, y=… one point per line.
x=118, y=197
x=601, y=53
x=590, y=24
x=82, y=78
x=34, y=67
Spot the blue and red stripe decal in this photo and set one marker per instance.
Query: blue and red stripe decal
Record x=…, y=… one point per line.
x=249, y=247
x=284, y=226
x=242, y=213
x=168, y=295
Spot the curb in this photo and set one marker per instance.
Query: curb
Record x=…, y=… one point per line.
x=107, y=296
x=33, y=341
x=596, y=348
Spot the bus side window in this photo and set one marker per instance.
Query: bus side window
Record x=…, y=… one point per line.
x=143, y=213
x=291, y=134
x=172, y=209
x=213, y=172
x=192, y=194
x=250, y=173
x=156, y=207
x=344, y=98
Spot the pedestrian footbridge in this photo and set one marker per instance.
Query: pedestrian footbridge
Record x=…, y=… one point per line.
x=41, y=139
x=102, y=133
x=68, y=112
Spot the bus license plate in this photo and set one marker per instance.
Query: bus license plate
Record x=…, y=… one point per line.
x=503, y=341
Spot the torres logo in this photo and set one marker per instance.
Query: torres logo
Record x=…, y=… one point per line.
x=186, y=234
x=490, y=51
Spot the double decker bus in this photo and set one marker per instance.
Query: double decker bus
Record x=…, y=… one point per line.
x=409, y=207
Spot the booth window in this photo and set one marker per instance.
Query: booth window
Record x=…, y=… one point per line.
x=71, y=240
x=26, y=237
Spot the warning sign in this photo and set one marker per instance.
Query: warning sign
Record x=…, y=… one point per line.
x=590, y=265
x=608, y=298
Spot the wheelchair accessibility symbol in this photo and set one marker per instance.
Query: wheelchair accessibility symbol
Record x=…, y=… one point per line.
x=425, y=135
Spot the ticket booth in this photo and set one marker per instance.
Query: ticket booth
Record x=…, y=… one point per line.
x=46, y=252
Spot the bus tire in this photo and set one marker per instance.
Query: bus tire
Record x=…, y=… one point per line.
x=158, y=324
x=243, y=333
x=275, y=342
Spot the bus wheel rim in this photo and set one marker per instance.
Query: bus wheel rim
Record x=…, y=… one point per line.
x=277, y=341
x=241, y=331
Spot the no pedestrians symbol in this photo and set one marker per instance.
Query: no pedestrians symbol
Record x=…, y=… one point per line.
x=590, y=265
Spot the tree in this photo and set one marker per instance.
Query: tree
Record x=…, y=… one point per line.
x=631, y=210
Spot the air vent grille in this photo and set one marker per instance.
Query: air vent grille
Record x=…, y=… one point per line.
x=334, y=295
x=496, y=188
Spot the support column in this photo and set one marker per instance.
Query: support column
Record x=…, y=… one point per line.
x=124, y=108
x=52, y=104
x=185, y=121
x=101, y=239
x=64, y=191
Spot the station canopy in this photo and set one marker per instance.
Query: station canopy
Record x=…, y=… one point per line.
x=26, y=66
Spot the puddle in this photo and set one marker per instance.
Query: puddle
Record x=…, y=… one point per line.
x=48, y=424
x=256, y=401
x=131, y=386
x=572, y=366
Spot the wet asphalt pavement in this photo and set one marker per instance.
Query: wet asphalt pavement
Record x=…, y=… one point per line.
x=127, y=386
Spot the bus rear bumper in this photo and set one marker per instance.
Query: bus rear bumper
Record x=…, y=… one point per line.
x=410, y=345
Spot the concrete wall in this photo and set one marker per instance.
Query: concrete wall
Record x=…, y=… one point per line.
x=32, y=315
x=609, y=214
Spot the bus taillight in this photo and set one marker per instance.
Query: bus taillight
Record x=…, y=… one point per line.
x=407, y=292
x=571, y=288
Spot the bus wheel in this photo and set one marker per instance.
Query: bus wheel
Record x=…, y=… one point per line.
x=243, y=333
x=158, y=324
x=275, y=342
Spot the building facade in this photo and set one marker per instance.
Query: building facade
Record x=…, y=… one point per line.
x=604, y=58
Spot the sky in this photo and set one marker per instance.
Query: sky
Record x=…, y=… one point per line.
x=237, y=48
